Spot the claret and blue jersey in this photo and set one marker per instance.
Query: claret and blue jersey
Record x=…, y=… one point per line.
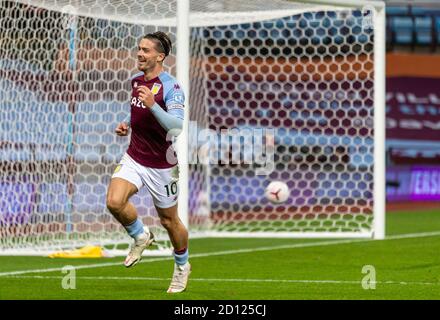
x=148, y=144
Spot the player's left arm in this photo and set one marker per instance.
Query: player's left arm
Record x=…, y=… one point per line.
x=169, y=120
x=172, y=119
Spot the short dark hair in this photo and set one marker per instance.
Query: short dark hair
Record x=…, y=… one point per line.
x=162, y=41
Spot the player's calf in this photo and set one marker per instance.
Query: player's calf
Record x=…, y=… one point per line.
x=179, y=238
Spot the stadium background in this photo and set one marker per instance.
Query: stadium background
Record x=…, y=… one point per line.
x=413, y=118
x=413, y=124
x=413, y=113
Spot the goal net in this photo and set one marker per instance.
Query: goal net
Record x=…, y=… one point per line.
x=291, y=92
x=277, y=90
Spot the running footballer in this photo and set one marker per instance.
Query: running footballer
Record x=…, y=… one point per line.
x=157, y=108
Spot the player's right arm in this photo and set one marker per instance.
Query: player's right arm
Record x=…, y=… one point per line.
x=123, y=127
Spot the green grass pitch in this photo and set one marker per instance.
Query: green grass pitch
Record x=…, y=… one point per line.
x=407, y=266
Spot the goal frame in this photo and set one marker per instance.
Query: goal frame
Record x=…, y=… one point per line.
x=379, y=195
x=183, y=26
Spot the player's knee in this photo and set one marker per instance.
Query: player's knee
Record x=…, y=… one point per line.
x=167, y=222
x=114, y=205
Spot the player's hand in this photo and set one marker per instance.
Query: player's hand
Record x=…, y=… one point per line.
x=146, y=96
x=122, y=129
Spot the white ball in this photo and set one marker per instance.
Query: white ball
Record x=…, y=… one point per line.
x=277, y=192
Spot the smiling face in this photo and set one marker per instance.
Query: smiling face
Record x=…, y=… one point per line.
x=148, y=55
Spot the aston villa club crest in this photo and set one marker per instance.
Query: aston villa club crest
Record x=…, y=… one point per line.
x=135, y=84
x=155, y=89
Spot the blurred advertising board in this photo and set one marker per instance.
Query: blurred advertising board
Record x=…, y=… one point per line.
x=415, y=183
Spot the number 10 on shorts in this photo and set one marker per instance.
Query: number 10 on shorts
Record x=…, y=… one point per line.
x=171, y=189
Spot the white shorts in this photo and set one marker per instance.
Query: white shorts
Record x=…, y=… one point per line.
x=161, y=183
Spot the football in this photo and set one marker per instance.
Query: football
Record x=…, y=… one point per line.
x=277, y=192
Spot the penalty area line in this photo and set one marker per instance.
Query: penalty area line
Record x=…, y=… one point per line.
x=238, y=251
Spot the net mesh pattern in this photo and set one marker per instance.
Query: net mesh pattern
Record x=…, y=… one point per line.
x=65, y=68
x=310, y=78
x=64, y=87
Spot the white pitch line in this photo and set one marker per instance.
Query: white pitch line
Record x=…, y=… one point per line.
x=228, y=252
x=238, y=280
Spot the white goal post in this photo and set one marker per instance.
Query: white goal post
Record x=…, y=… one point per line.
x=275, y=90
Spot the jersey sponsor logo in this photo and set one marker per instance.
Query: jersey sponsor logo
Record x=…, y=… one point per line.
x=155, y=89
x=136, y=102
x=175, y=106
